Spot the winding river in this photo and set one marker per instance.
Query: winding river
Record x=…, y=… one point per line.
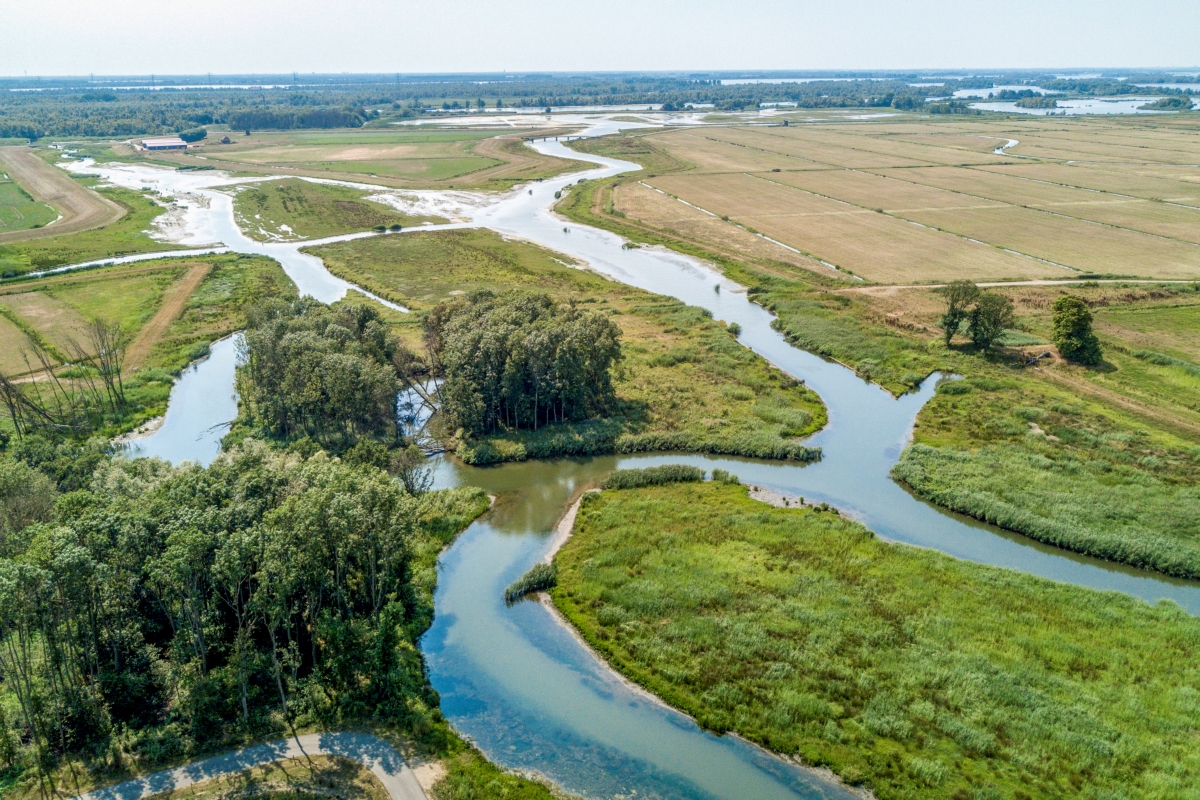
x=515, y=680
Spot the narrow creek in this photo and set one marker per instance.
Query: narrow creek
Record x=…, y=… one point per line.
x=515, y=680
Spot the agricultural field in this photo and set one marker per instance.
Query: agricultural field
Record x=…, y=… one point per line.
x=684, y=384
x=904, y=671
x=291, y=209
x=918, y=201
x=19, y=211
x=401, y=157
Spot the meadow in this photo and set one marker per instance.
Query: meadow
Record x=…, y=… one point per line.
x=290, y=209
x=906, y=672
x=126, y=236
x=684, y=384
x=169, y=312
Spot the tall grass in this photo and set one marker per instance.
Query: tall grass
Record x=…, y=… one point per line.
x=539, y=578
x=1118, y=512
x=652, y=476
x=906, y=671
x=1168, y=361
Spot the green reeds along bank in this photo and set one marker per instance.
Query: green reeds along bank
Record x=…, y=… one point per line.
x=652, y=476
x=539, y=578
x=904, y=671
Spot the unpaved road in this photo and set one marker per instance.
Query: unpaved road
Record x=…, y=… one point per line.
x=82, y=209
x=173, y=303
x=372, y=752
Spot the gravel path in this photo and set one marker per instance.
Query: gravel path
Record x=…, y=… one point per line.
x=372, y=752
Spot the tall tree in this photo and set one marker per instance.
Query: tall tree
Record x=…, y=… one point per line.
x=959, y=297
x=990, y=316
x=1073, y=334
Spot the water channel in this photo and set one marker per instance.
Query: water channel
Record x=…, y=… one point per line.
x=515, y=680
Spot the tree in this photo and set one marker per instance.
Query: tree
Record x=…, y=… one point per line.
x=959, y=297
x=521, y=361
x=990, y=316
x=1073, y=331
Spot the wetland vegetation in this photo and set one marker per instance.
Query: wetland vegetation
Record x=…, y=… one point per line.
x=905, y=671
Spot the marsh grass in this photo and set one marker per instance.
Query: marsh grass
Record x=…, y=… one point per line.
x=538, y=578
x=652, y=476
x=906, y=671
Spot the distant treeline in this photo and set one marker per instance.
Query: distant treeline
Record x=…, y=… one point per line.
x=66, y=110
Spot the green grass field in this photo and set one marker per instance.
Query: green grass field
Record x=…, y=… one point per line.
x=292, y=209
x=685, y=383
x=19, y=211
x=907, y=672
x=124, y=237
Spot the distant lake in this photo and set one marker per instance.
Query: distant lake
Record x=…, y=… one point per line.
x=998, y=89
x=1088, y=105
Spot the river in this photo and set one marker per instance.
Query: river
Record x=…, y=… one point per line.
x=515, y=680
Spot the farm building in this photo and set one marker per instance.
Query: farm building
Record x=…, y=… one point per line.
x=164, y=143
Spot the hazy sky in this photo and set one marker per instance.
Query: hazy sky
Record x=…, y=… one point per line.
x=57, y=37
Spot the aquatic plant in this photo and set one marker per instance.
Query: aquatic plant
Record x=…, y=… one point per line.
x=652, y=476
x=541, y=576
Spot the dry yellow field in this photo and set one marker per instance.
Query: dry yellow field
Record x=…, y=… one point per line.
x=1111, y=179
x=659, y=210
x=1084, y=246
x=1112, y=195
x=875, y=246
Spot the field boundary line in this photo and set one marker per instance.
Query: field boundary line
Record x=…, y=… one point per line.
x=176, y=298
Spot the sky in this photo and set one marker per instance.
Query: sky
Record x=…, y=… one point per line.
x=104, y=37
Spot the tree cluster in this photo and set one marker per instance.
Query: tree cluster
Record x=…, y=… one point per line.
x=987, y=314
x=328, y=374
x=167, y=606
x=520, y=361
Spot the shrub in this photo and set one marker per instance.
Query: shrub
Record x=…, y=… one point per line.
x=721, y=476
x=652, y=476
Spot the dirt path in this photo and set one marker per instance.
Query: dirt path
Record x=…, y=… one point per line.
x=374, y=753
x=1001, y=284
x=82, y=209
x=176, y=297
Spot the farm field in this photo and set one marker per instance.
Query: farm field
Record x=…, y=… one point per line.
x=43, y=187
x=1076, y=200
x=906, y=671
x=685, y=384
x=405, y=158
x=292, y=208
x=19, y=211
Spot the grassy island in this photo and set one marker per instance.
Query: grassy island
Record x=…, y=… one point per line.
x=907, y=672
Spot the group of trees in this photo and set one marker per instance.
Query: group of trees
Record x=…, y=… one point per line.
x=328, y=374
x=988, y=314
x=520, y=361
x=165, y=606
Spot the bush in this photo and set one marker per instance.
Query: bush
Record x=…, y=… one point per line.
x=194, y=135
x=652, y=476
x=721, y=476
